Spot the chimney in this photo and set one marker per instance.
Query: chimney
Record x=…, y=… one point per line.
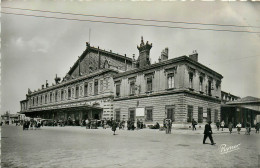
x=47, y=85
x=134, y=62
x=57, y=79
x=194, y=56
x=144, y=53
x=164, y=54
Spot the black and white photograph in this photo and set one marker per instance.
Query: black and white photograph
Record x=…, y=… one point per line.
x=122, y=84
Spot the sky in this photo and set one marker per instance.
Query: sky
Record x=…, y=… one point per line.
x=35, y=49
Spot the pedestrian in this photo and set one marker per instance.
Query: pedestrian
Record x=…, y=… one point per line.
x=222, y=124
x=257, y=127
x=138, y=124
x=168, y=126
x=87, y=124
x=218, y=124
x=248, y=128
x=230, y=125
x=194, y=123
x=238, y=128
x=208, y=133
x=114, y=125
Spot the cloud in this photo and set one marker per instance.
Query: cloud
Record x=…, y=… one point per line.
x=36, y=44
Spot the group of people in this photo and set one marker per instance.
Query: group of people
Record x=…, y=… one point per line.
x=238, y=126
x=33, y=124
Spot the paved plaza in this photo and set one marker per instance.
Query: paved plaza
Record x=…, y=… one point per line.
x=70, y=147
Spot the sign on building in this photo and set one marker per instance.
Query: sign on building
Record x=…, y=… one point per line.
x=139, y=112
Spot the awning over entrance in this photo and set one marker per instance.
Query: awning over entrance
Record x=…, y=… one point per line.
x=65, y=107
x=76, y=111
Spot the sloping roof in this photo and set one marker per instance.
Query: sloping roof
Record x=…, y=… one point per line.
x=249, y=99
x=91, y=48
x=170, y=61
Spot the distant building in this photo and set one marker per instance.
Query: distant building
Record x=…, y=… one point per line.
x=102, y=84
x=8, y=118
x=235, y=109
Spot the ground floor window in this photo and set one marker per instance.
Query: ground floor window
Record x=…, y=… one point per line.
x=200, y=114
x=149, y=114
x=190, y=113
x=118, y=114
x=170, y=113
x=131, y=114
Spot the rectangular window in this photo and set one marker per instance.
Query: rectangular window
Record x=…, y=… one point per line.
x=132, y=88
x=170, y=81
x=77, y=92
x=46, y=97
x=190, y=113
x=170, y=113
x=56, y=96
x=208, y=114
x=131, y=114
x=86, y=89
x=42, y=99
x=191, y=80
x=209, y=88
x=117, y=90
x=62, y=95
x=118, y=115
x=149, y=84
x=149, y=114
x=51, y=97
x=216, y=116
x=101, y=85
x=200, y=114
x=69, y=93
x=33, y=101
x=201, y=82
x=96, y=87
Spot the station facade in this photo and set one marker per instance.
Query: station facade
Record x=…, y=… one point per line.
x=102, y=84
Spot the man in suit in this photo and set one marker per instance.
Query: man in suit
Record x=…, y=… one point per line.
x=207, y=133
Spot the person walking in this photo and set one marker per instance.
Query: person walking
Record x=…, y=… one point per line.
x=170, y=126
x=114, y=125
x=222, y=124
x=208, y=133
x=87, y=124
x=193, y=123
x=238, y=128
x=248, y=128
x=218, y=124
x=257, y=127
x=230, y=126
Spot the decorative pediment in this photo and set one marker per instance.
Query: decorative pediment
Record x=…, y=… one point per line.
x=132, y=79
x=149, y=73
x=191, y=70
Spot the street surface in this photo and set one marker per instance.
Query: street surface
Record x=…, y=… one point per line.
x=69, y=147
